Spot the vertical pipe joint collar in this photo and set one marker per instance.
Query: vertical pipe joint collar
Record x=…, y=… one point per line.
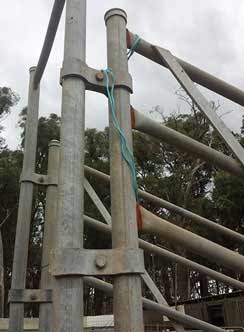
x=115, y=12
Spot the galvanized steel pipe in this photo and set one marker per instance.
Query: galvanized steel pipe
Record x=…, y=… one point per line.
x=68, y=304
x=49, y=39
x=16, y=310
x=185, y=143
x=198, y=245
x=210, y=224
x=127, y=288
x=197, y=75
x=47, y=280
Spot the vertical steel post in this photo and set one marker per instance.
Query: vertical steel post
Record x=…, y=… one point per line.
x=68, y=304
x=16, y=310
x=127, y=289
x=45, y=315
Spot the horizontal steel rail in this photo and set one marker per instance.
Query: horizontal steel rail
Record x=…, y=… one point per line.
x=214, y=252
x=195, y=217
x=184, y=143
x=175, y=208
x=197, y=75
x=161, y=252
x=49, y=40
x=162, y=308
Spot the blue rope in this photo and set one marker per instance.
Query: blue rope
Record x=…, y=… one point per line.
x=125, y=150
x=133, y=47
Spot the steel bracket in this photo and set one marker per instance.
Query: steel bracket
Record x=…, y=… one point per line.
x=30, y=295
x=93, y=78
x=39, y=179
x=96, y=262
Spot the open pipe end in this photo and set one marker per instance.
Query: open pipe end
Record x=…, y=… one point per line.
x=115, y=12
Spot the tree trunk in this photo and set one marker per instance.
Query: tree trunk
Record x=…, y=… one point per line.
x=203, y=285
x=1, y=278
x=183, y=284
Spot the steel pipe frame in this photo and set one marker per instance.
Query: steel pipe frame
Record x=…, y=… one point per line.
x=127, y=305
x=151, y=305
x=16, y=310
x=175, y=208
x=146, y=278
x=47, y=280
x=68, y=304
x=197, y=75
x=161, y=252
x=46, y=51
x=184, y=143
x=49, y=40
x=198, y=245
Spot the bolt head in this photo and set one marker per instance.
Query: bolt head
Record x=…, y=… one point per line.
x=100, y=261
x=99, y=76
x=41, y=179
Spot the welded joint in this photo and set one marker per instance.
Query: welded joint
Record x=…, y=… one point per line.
x=39, y=179
x=30, y=295
x=88, y=262
x=94, y=79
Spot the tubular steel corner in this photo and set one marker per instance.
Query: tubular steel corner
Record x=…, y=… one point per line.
x=89, y=262
x=93, y=78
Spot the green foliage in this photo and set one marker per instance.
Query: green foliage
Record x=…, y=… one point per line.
x=8, y=99
x=10, y=169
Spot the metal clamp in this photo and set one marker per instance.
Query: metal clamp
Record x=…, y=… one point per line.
x=93, y=78
x=30, y=295
x=96, y=262
x=39, y=179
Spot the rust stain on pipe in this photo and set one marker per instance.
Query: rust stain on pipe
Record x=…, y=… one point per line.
x=133, y=117
x=128, y=38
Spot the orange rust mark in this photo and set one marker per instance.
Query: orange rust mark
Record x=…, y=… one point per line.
x=139, y=217
x=128, y=38
x=132, y=117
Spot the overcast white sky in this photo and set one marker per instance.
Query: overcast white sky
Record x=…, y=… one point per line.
x=207, y=33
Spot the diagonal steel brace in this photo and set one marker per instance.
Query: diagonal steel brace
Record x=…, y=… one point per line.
x=159, y=298
x=171, y=62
